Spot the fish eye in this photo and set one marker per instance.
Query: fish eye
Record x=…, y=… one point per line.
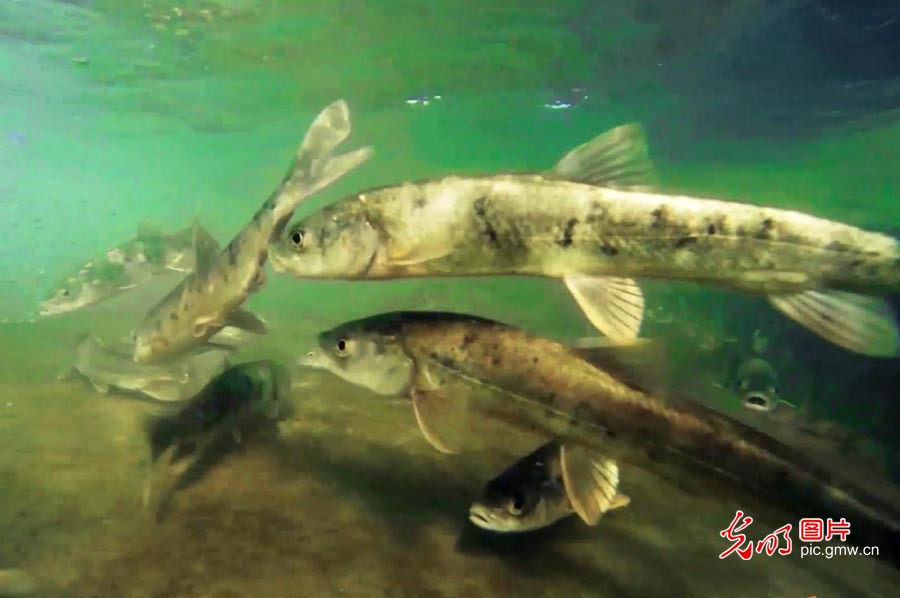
x=297, y=237
x=516, y=505
x=344, y=347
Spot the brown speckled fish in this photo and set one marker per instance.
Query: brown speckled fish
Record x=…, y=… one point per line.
x=210, y=297
x=594, y=222
x=597, y=399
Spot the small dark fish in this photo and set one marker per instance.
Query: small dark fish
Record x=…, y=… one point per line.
x=252, y=387
x=531, y=494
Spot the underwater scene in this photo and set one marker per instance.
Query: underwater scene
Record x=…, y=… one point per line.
x=449, y=299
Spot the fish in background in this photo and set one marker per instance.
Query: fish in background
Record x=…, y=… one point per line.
x=232, y=402
x=107, y=368
x=603, y=401
x=530, y=494
x=594, y=221
x=127, y=266
x=210, y=297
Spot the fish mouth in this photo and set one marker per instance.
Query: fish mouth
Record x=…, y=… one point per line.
x=759, y=401
x=312, y=359
x=480, y=518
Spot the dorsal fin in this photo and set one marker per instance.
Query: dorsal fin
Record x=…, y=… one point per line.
x=206, y=250
x=640, y=363
x=617, y=158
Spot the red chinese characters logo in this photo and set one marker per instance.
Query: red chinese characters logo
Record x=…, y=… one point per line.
x=744, y=548
x=816, y=530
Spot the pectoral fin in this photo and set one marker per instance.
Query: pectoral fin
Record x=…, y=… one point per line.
x=858, y=323
x=615, y=306
x=246, y=320
x=591, y=482
x=620, y=501
x=441, y=411
x=617, y=158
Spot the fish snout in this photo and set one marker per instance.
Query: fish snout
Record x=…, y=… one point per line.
x=310, y=360
x=482, y=517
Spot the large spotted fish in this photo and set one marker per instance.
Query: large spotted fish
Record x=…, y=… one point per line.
x=604, y=402
x=210, y=297
x=594, y=221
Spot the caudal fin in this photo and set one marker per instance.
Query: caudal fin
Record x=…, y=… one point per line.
x=315, y=167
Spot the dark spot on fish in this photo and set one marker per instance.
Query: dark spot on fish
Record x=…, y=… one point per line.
x=233, y=252
x=710, y=229
x=173, y=316
x=837, y=246
x=766, y=229
x=610, y=433
x=419, y=201
x=609, y=250
x=186, y=306
x=481, y=213
x=496, y=360
x=597, y=213
x=433, y=355
x=685, y=241
x=826, y=316
x=468, y=339
x=534, y=360
x=566, y=240
x=574, y=422
x=261, y=259
x=224, y=277
x=660, y=216
x=478, y=206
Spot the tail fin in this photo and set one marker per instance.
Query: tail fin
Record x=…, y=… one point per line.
x=314, y=165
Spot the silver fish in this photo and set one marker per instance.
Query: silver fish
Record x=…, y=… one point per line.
x=530, y=494
x=127, y=266
x=210, y=297
x=593, y=221
x=597, y=399
x=107, y=368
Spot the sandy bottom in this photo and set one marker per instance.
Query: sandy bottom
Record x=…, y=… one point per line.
x=347, y=500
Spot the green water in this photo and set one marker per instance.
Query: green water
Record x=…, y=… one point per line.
x=116, y=114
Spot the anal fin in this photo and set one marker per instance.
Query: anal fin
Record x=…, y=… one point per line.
x=441, y=410
x=615, y=306
x=591, y=482
x=858, y=323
